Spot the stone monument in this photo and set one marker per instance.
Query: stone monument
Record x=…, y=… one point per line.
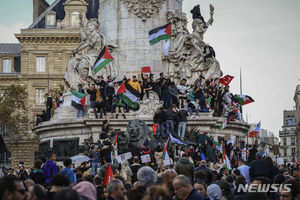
x=127, y=23
x=123, y=26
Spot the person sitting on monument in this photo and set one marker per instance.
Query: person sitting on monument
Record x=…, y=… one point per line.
x=208, y=52
x=193, y=108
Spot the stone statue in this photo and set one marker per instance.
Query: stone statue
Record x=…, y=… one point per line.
x=80, y=66
x=138, y=132
x=189, y=56
x=149, y=105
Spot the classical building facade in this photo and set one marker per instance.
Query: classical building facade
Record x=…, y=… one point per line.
x=288, y=135
x=39, y=61
x=297, y=102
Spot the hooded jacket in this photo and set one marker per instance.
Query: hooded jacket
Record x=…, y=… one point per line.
x=185, y=167
x=49, y=170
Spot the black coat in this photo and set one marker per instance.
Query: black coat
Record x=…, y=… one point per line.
x=92, y=94
x=49, y=102
x=194, y=195
x=182, y=115
x=158, y=118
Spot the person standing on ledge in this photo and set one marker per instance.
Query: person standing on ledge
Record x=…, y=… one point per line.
x=48, y=106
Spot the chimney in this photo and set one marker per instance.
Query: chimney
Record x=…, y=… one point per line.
x=39, y=6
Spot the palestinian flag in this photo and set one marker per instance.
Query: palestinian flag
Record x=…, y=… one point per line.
x=243, y=99
x=160, y=33
x=103, y=59
x=165, y=149
x=226, y=160
x=129, y=95
x=78, y=99
x=224, y=124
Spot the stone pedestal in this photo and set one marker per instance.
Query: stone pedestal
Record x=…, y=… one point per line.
x=87, y=129
x=128, y=26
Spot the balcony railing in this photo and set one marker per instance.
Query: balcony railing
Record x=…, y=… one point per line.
x=286, y=132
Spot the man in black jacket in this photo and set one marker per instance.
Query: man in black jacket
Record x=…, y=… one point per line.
x=109, y=93
x=135, y=168
x=259, y=167
x=115, y=190
x=93, y=94
x=184, y=189
x=48, y=106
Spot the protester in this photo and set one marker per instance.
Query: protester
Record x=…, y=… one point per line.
x=36, y=192
x=49, y=105
x=50, y=168
x=68, y=172
x=11, y=188
x=115, y=190
x=86, y=190
x=184, y=189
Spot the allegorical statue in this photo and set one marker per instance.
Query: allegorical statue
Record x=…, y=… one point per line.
x=80, y=66
x=189, y=56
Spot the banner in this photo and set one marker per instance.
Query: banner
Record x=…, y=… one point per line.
x=146, y=158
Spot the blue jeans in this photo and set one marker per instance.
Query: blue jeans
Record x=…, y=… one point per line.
x=191, y=110
x=181, y=129
x=170, y=126
x=160, y=130
x=95, y=166
x=167, y=100
x=79, y=112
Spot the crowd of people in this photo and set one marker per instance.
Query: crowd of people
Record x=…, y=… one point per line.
x=186, y=177
x=203, y=96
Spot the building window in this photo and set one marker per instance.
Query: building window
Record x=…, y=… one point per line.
x=293, y=141
x=75, y=19
x=293, y=151
x=284, y=141
x=284, y=152
x=51, y=19
x=40, y=96
x=290, y=121
x=40, y=64
x=6, y=66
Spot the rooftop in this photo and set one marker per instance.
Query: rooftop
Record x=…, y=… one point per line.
x=10, y=48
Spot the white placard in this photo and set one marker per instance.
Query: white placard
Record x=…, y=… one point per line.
x=146, y=158
x=123, y=157
x=280, y=161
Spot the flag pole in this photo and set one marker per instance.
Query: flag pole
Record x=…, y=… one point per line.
x=241, y=91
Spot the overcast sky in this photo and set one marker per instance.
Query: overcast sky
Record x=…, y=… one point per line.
x=262, y=37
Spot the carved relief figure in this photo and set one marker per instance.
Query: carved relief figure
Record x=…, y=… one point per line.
x=143, y=8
